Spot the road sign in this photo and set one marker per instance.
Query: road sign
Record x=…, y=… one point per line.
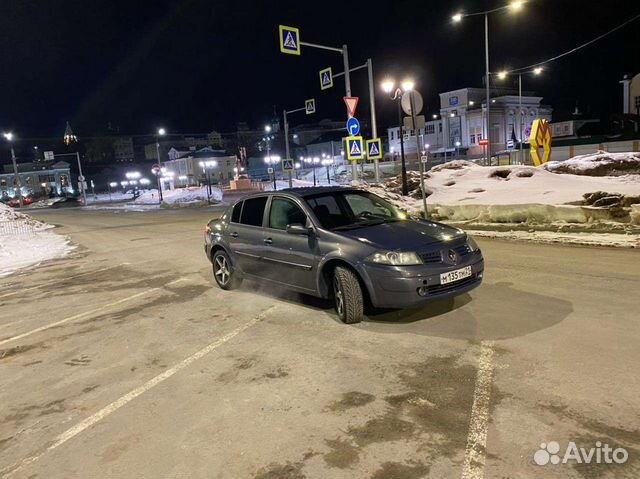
x=353, y=126
x=424, y=159
x=270, y=171
x=374, y=149
x=352, y=104
x=287, y=165
x=406, y=101
x=510, y=145
x=326, y=78
x=355, y=148
x=48, y=156
x=156, y=168
x=420, y=123
x=310, y=106
x=289, y=40
x=483, y=142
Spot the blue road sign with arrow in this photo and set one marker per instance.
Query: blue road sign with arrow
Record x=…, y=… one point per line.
x=353, y=126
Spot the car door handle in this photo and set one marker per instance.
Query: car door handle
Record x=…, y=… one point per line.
x=233, y=235
x=268, y=241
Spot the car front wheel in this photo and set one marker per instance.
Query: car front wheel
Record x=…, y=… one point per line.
x=224, y=273
x=347, y=295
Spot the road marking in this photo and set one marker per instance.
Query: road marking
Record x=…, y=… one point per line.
x=475, y=452
x=87, y=313
x=130, y=396
x=22, y=290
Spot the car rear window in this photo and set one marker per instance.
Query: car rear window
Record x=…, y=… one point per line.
x=253, y=211
x=237, y=209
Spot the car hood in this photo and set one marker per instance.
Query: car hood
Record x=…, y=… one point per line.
x=409, y=235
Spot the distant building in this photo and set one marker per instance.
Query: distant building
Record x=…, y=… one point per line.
x=573, y=128
x=461, y=123
x=631, y=94
x=37, y=179
x=123, y=149
x=187, y=171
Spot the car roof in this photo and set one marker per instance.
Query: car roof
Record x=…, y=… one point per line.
x=301, y=192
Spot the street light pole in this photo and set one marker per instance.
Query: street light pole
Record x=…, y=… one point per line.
x=374, y=126
x=418, y=149
x=16, y=177
x=286, y=138
x=488, y=87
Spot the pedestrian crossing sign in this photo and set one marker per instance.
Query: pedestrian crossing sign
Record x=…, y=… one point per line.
x=355, y=150
x=287, y=165
x=310, y=106
x=326, y=79
x=374, y=149
x=289, y=40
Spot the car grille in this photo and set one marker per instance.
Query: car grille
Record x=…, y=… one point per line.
x=462, y=249
x=431, y=257
x=443, y=288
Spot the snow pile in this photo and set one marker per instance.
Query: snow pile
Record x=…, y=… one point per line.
x=179, y=196
x=598, y=164
x=26, y=242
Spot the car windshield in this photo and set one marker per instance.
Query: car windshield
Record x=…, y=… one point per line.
x=341, y=210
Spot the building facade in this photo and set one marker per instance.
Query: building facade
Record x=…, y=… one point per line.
x=38, y=179
x=461, y=123
x=187, y=171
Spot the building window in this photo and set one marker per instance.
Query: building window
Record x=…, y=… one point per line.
x=431, y=129
x=473, y=139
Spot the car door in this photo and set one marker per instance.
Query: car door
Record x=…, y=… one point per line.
x=245, y=234
x=290, y=259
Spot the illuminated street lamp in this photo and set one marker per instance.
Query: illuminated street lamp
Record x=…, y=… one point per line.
x=395, y=94
x=161, y=132
x=273, y=160
x=515, y=6
x=16, y=178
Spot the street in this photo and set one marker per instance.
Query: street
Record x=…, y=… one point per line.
x=126, y=360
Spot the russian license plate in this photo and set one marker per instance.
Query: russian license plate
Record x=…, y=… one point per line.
x=455, y=275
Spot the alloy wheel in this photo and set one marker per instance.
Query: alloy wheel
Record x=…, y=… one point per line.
x=222, y=270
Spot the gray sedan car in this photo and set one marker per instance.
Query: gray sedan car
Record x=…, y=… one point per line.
x=341, y=243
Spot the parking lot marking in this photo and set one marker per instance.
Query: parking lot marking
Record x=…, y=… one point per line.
x=475, y=452
x=87, y=313
x=22, y=290
x=130, y=396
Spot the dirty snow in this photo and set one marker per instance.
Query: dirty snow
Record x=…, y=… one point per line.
x=179, y=196
x=588, y=239
x=27, y=242
x=601, y=163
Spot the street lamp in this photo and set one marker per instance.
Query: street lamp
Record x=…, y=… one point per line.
x=206, y=166
x=536, y=71
x=514, y=5
x=328, y=162
x=273, y=160
x=161, y=132
x=395, y=94
x=16, y=178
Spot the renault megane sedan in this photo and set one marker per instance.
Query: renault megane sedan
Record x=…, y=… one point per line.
x=341, y=243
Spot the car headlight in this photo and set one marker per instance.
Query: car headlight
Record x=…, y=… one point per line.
x=395, y=258
x=473, y=246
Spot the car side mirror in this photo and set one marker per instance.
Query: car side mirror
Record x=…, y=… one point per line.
x=298, y=229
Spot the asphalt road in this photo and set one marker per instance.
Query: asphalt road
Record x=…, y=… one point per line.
x=126, y=360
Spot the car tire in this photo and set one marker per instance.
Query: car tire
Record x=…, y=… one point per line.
x=224, y=273
x=347, y=295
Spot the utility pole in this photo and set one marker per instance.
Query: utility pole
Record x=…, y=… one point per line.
x=374, y=126
x=488, y=88
x=82, y=180
x=418, y=149
x=16, y=176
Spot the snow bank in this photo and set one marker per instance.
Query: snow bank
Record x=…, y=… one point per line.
x=180, y=196
x=601, y=163
x=26, y=242
x=589, y=239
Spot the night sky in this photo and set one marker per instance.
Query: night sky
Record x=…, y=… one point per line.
x=196, y=65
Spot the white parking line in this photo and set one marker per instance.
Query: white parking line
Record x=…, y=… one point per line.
x=475, y=452
x=87, y=313
x=117, y=404
x=22, y=290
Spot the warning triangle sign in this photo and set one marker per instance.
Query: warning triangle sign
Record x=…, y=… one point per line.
x=352, y=104
x=290, y=42
x=373, y=150
x=355, y=148
x=325, y=79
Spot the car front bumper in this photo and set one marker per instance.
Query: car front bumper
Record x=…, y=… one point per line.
x=398, y=286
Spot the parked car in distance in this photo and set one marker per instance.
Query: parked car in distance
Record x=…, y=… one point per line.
x=15, y=202
x=341, y=243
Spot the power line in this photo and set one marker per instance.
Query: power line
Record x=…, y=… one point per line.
x=517, y=70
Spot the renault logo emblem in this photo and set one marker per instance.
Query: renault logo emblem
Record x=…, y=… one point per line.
x=453, y=256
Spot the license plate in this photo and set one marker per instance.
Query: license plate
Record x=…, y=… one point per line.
x=455, y=275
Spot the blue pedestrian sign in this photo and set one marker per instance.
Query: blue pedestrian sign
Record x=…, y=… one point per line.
x=310, y=106
x=355, y=148
x=374, y=149
x=353, y=126
x=289, y=40
x=326, y=78
x=287, y=165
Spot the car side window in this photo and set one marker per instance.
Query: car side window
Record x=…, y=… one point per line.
x=253, y=211
x=285, y=212
x=235, y=215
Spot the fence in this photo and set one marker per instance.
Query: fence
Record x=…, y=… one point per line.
x=17, y=227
